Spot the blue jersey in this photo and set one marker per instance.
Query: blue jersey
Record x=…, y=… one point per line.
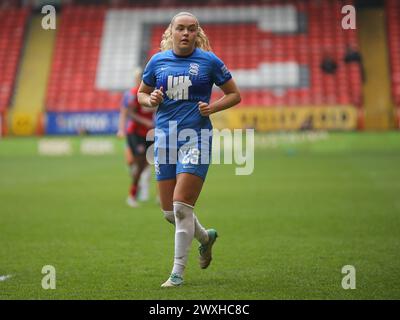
x=185, y=81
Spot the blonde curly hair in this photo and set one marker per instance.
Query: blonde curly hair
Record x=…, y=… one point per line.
x=202, y=41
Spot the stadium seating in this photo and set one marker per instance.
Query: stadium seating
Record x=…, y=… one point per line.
x=72, y=80
x=245, y=46
x=12, y=28
x=277, y=63
x=393, y=27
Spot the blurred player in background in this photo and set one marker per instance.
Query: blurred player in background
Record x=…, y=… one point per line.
x=179, y=80
x=140, y=122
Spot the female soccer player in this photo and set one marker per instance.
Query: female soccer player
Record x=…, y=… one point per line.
x=179, y=81
x=140, y=122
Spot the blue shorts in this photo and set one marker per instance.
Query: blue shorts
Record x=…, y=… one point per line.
x=186, y=157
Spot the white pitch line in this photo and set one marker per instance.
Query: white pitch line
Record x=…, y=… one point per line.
x=6, y=277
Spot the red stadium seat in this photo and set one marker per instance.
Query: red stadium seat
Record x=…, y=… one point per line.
x=242, y=46
x=12, y=27
x=73, y=73
x=393, y=28
x=306, y=49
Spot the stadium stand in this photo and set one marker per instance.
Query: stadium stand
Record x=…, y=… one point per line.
x=393, y=28
x=12, y=28
x=73, y=73
x=276, y=61
x=302, y=48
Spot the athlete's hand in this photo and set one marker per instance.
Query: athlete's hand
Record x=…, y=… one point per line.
x=205, y=109
x=121, y=134
x=156, y=97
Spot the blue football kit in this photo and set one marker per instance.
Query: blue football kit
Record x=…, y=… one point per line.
x=183, y=137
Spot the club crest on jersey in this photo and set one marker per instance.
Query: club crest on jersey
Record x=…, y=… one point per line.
x=178, y=87
x=194, y=69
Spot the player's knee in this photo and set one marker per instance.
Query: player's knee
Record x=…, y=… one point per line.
x=169, y=216
x=184, y=197
x=182, y=210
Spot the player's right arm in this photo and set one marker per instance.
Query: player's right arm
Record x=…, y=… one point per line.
x=122, y=121
x=150, y=97
x=148, y=94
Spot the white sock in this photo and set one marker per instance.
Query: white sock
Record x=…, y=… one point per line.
x=169, y=216
x=184, y=233
x=144, y=183
x=200, y=232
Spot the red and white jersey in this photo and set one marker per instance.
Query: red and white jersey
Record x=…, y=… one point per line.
x=130, y=101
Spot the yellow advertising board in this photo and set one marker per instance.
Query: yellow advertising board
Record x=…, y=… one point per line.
x=288, y=118
x=398, y=118
x=23, y=124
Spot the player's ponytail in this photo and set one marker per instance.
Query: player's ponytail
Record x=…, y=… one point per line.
x=202, y=41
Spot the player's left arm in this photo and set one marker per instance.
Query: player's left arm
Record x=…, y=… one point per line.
x=231, y=97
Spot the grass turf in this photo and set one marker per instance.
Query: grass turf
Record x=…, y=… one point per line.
x=286, y=231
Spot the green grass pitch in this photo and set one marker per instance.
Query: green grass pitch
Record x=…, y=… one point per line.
x=286, y=231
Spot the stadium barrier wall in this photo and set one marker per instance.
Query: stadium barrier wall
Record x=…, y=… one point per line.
x=398, y=118
x=73, y=123
x=291, y=118
x=24, y=123
x=343, y=118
